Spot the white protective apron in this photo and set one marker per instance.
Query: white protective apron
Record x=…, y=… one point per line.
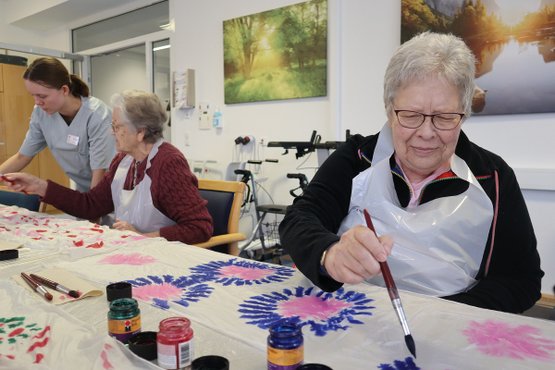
x=439, y=245
x=136, y=206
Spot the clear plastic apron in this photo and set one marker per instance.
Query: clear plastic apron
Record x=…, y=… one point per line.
x=136, y=206
x=439, y=245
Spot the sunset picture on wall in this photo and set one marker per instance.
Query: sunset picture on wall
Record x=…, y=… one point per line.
x=514, y=45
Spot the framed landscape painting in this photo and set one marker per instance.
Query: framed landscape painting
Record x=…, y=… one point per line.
x=277, y=54
x=514, y=45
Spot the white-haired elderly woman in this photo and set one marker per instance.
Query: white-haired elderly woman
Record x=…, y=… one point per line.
x=149, y=184
x=450, y=218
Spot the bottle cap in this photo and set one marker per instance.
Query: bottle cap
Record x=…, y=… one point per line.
x=9, y=254
x=144, y=345
x=314, y=367
x=121, y=289
x=210, y=363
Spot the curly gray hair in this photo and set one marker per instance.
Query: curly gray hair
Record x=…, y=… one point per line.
x=432, y=54
x=143, y=110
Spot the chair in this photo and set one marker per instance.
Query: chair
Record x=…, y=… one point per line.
x=224, y=204
x=12, y=198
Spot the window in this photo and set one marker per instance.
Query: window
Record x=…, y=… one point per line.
x=138, y=22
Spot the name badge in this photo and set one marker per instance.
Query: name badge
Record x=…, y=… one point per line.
x=72, y=139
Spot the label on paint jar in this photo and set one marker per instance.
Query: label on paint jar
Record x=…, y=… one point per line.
x=178, y=355
x=124, y=329
x=285, y=359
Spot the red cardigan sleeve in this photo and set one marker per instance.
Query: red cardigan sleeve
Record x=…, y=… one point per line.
x=90, y=205
x=175, y=193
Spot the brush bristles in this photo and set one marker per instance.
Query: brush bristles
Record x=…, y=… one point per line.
x=73, y=293
x=48, y=296
x=410, y=344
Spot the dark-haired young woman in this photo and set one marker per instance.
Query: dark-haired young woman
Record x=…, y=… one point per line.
x=72, y=124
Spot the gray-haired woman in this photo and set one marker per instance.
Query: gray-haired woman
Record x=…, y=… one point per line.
x=450, y=217
x=149, y=184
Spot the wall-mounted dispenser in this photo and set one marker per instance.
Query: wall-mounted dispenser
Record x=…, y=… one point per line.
x=184, y=89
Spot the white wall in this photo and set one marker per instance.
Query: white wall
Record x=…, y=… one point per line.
x=198, y=44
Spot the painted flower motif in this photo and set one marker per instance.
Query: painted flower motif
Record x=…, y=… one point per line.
x=14, y=328
x=499, y=339
x=407, y=364
x=15, y=332
x=135, y=259
x=320, y=311
x=160, y=291
x=239, y=272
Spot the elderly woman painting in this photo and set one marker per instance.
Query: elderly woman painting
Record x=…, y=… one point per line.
x=149, y=184
x=450, y=217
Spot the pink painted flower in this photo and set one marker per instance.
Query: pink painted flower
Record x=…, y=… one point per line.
x=499, y=339
x=163, y=291
x=245, y=273
x=311, y=307
x=128, y=259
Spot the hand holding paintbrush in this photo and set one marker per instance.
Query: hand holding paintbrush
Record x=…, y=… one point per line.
x=394, y=294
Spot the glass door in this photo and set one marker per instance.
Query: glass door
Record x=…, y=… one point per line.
x=119, y=70
x=141, y=63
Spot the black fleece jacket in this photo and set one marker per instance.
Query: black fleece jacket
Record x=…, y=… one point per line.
x=513, y=279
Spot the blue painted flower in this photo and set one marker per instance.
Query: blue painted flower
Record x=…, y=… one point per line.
x=320, y=311
x=408, y=364
x=161, y=290
x=240, y=272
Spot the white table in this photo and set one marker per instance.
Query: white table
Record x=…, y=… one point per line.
x=232, y=301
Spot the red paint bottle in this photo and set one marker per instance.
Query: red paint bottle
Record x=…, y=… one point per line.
x=175, y=343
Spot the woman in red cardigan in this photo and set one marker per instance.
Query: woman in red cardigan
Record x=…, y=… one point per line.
x=149, y=184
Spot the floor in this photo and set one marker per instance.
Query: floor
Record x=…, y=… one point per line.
x=541, y=312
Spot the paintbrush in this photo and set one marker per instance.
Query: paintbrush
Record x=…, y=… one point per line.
x=36, y=286
x=56, y=286
x=394, y=294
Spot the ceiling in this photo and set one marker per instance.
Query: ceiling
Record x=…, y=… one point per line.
x=41, y=15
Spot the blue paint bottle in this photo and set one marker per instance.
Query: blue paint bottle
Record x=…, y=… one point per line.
x=285, y=346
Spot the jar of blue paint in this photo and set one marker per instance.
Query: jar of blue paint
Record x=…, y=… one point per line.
x=285, y=346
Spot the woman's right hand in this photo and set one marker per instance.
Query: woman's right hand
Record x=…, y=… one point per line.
x=26, y=183
x=356, y=256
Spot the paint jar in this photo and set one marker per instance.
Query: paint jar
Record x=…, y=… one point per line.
x=314, y=367
x=175, y=343
x=117, y=290
x=285, y=346
x=124, y=319
x=210, y=362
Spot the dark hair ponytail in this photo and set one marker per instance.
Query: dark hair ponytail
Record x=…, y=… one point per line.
x=51, y=73
x=78, y=86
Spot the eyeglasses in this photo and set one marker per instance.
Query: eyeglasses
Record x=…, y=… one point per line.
x=116, y=127
x=441, y=121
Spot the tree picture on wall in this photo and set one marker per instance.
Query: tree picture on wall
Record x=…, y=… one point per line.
x=276, y=54
x=514, y=45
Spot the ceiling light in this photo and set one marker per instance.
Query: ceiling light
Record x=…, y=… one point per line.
x=162, y=47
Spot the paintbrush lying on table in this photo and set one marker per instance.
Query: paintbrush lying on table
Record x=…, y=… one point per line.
x=56, y=286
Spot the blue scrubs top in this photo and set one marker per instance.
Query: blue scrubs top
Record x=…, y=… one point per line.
x=86, y=144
